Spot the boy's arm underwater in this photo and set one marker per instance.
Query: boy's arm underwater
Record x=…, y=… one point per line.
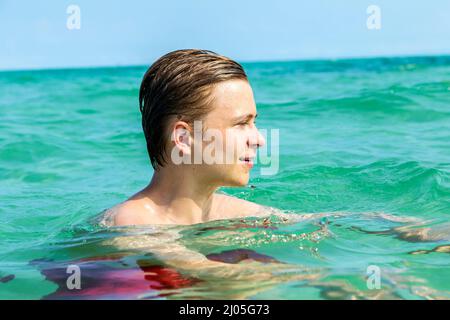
x=166, y=246
x=165, y=243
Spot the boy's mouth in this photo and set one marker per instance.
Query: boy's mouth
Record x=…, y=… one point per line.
x=247, y=160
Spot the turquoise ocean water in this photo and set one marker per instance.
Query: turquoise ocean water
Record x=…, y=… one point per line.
x=364, y=145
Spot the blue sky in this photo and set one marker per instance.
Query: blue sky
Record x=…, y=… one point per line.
x=33, y=34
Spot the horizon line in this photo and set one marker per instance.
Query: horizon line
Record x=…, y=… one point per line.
x=341, y=58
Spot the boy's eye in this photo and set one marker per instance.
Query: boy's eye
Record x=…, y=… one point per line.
x=246, y=123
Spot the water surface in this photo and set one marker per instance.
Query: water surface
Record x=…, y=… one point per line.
x=364, y=145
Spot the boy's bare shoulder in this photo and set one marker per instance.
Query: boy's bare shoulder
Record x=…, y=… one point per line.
x=130, y=212
x=235, y=207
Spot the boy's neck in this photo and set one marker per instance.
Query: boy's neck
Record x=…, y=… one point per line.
x=185, y=200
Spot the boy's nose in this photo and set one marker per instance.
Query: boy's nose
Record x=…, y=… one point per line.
x=256, y=139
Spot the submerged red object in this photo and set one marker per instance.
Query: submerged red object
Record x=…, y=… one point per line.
x=113, y=277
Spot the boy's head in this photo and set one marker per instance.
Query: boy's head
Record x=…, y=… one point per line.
x=185, y=88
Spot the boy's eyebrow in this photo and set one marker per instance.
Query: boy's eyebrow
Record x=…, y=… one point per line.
x=245, y=117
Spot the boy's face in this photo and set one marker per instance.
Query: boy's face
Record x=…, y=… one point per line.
x=231, y=135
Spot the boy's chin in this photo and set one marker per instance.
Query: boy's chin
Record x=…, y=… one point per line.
x=239, y=182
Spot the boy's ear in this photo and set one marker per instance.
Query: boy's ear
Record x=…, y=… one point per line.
x=181, y=137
